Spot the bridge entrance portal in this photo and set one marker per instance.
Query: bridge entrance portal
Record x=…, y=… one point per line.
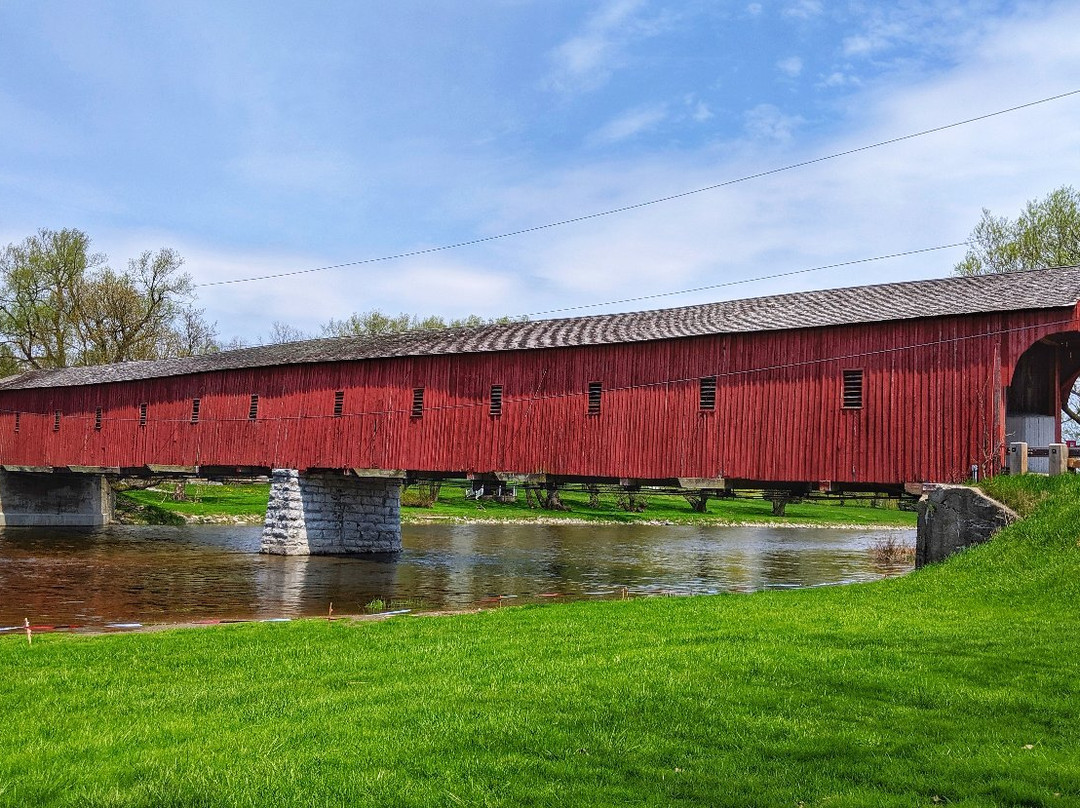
x=1037, y=400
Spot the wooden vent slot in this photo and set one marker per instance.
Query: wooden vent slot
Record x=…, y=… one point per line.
x=97, y=419
x=253, y=410
x=339, y=403
x=18, y=420
x=56, y=421
x=142, y=414
x=196, y=405
x=417, y=402
x=595, y=389
x=707, y=394
x=853, y=389
x=496, y=400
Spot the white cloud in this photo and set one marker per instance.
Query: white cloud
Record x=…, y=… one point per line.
x=791, y=66
x=588, y=59
x=803, y=9
x=859, y=45
x=630, y=123
x=837, y=79
x=767, y=122
x=919, y=193
x=701, y=112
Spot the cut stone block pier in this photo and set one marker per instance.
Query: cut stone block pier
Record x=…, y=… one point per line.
x=332, y=513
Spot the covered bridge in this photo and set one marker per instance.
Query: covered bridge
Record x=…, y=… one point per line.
x=863, y=388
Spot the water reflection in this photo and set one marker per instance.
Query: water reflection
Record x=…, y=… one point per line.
x=164, y=574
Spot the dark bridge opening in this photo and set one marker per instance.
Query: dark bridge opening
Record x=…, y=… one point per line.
x=1037, y=401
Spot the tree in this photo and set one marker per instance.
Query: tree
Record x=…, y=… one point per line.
x=374, y=322
x=42, y=279
x=281, y=332
x=1045, y=235
x=62, y=305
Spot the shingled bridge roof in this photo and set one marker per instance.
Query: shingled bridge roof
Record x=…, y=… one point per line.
x=941, y=297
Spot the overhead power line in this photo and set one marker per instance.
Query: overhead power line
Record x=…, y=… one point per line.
x=536, y=395
x=644, y=204
x=749, y=280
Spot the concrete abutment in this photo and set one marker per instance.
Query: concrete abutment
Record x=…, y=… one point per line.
x=331, y=513
x=54, y=499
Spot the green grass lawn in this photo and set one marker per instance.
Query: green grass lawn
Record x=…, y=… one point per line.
x=205, y=500
x=955, y=685
x=250, y=500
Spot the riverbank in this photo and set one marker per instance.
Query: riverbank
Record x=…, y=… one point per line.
x=953, y=685
x=246, y=504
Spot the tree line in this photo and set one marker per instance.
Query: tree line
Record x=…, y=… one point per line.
x=62, y=305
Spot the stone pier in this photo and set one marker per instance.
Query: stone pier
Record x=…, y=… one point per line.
x=332, y=513
x=54, y=499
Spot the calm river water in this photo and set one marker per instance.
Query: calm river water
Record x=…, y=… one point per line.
x=123, y=574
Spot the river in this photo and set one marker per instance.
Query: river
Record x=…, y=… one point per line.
x=148, y=575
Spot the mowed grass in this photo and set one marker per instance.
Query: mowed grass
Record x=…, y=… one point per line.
x=206, y=500
x=250, y=500
x=955, y=685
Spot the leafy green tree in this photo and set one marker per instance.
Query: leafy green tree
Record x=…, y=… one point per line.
x=62, y=305
x=41, y=281
x=1045, y=234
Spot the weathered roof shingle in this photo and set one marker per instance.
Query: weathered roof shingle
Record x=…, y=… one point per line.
x=1040, y=289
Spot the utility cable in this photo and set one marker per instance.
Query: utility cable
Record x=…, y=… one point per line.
x=536, y=396
x=647, y=203
x=749, y=280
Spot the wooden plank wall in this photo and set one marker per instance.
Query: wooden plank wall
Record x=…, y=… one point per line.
x=933, y=406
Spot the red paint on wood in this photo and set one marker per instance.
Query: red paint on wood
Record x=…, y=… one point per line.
x=933, y=405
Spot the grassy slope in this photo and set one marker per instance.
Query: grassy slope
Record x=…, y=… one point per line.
x=915, y=691
x=251, y=500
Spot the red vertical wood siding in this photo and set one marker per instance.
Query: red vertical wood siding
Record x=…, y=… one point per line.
x=932, y=406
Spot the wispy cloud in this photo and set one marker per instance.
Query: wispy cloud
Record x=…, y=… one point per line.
x=802, y=9
x=791, y=66
x=766, y=122
x=588, y=59
x=630, y=123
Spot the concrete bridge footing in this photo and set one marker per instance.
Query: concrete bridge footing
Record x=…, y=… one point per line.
x=54, y=499
x=331, y=513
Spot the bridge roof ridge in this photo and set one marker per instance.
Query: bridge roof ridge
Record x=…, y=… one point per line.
x=1057, y=287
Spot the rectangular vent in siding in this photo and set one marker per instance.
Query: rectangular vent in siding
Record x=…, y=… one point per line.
x=253, y=410
x=196, y=405
x=56, y=421
x=97, y=419
x=339, y=403
x=18, y=421
x=496, y=400
x=417, y=402
x=853, y=389
x=707, y=393
x=595, y=389
x=142, y=413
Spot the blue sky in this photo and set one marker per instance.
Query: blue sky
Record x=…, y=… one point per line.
x=259, y=138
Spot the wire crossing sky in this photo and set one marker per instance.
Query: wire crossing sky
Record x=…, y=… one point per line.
x=262, y=141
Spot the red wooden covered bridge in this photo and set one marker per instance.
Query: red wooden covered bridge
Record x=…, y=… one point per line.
x=881, y=387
